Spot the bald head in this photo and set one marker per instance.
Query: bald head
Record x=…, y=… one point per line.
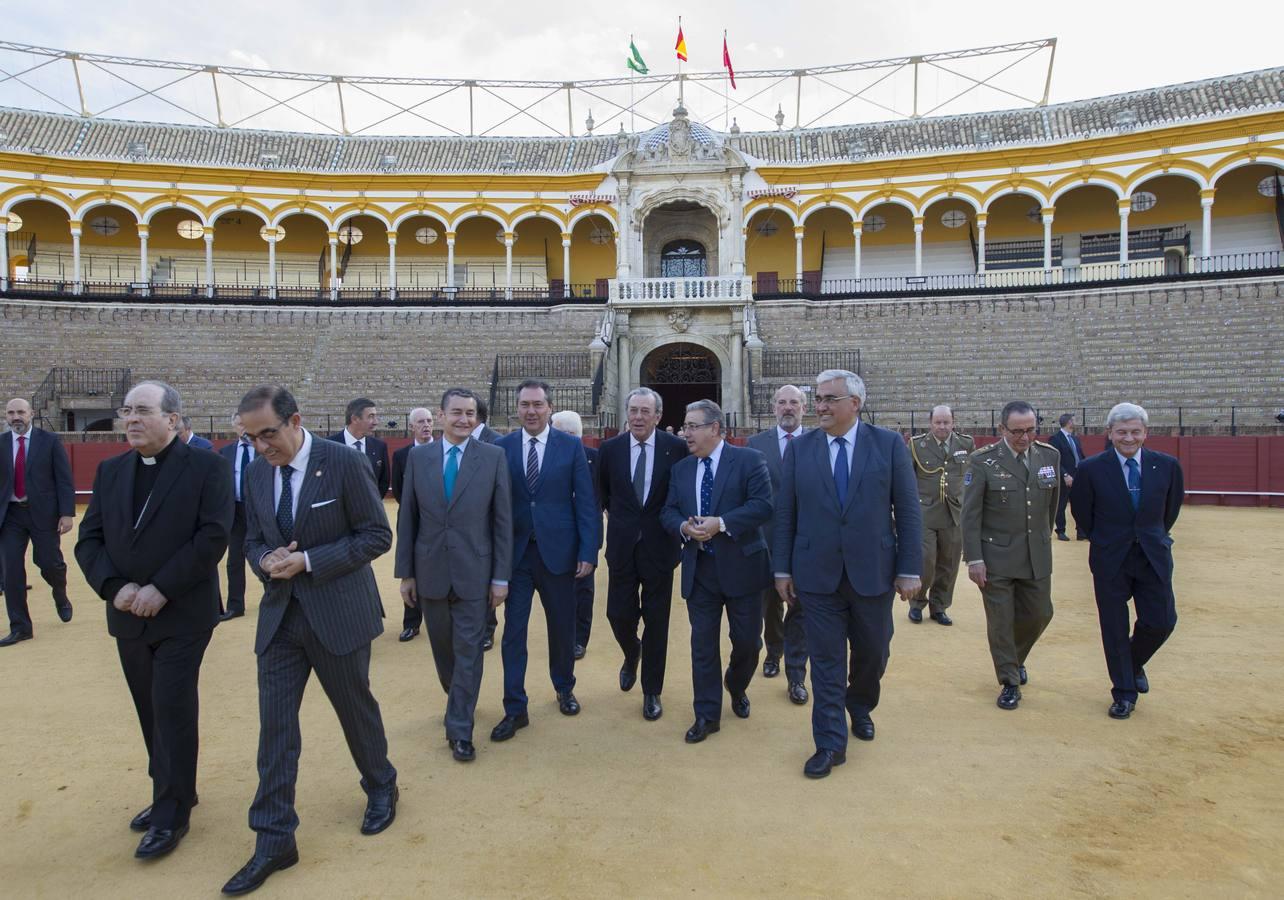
x=17, y=413
x=942, y=422
x=420, y=421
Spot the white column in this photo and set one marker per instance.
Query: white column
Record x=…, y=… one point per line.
x=75, y=256
x=450, y=259
x=566, y=264
x=1048, y=212
x=271, y=242
x=1125, y=208
x=858, y=228
x=799, y=231
x=623, y=232
x=737, y=369
x=333, y=237
x=736, y=229
x=392, y=265
x=1206, y=237
x=508, y=265
x=144, y=272
x=918, y=245
x=209, y=261
x=4, y=253
x=981, y=219
x=624, y=372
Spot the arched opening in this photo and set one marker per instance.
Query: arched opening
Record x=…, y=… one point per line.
x=1086, y=226
x=303, y=254
x=769, y=249
x=679, y=221
x=1247, y=213
x=240, y=249
x=1164, y=222
x=1014, y=234
x=828, y=247
x=109, y=245
x=537, y=253
x=479, y=254
x=592, y=256
x=949, y=238
x=39, y=241
x=887, y=241
x=683, y=259
x=363, y=252
x=682, y=373
x=421, y=252
x=176, y=237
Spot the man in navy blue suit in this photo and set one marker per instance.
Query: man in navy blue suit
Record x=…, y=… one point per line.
x=1127, y=501
x=191, y=438
x=556, y=533
x=239, y=454
x=1071, y=450
x=361, y=419
x=719, y=500
x=848, y=538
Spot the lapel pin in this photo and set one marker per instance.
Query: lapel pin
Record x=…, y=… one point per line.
x=318, y=473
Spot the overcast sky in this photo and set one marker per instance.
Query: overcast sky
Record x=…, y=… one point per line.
x=1104, y=47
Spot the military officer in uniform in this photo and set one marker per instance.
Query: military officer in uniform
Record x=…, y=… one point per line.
x=1010, y=493
x=940, y=456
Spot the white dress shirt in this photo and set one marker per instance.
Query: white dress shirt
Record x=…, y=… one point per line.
x=300, y=467
x=446, y=444
x=785, y=441
x=477, y=432
x=650, y=461
x=26, y=444
x=350, y=441
x=236, y=464
x=541, y=444
x=1123, y=464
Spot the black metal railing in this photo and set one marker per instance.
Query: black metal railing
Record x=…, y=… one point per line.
x=543, y=365
x=1020, y=254
x=76, y=381
x=1144, y=243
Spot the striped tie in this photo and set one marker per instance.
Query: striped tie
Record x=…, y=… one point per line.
x=532, y=467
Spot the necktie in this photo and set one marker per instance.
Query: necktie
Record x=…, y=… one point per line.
x=1074, y=449
x=452, y=469
x=1134, y=480
x=639, y=475
x=20, y=470
x=842, y=472
x=285, y=508
x=706, y=496
x=245, y=464
x=1025, y=460
x=359, y=446
x=532, y=467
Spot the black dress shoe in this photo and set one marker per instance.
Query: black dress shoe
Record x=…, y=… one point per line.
x=797, y=692
x=381, y=809
x=159, y=841
x=651, y=708
x=579, y=651
x=568, y=705
x=701, y=730
x=1081, y=537
x=14, y=637
x=488, y=642
x=1009, y=697
x=1025, y=676
x=915, y=616
x=257, y=870
x=771, y=667
x=508, y=726
x=628, y=674
x=463, y=751
x=409, y=634
x=1061, y=536
x=822, y=763
x=1122, y=709
x=942, y=618
x=231, y=614
x=143, y=820
x=863, y=728
x=740, y=705
x=1142, y=682
x=64, y=611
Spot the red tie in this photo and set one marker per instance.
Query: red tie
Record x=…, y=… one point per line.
x=20, y=470
x=789, y=436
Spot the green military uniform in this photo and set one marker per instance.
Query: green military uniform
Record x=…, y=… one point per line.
x=939, y=467
x=1008, y=514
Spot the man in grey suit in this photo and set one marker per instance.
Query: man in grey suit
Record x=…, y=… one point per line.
x=849, y=537
x=314, y=523
x=783, y=631
x=454, y=553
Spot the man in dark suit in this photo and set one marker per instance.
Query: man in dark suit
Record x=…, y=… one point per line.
x=239, y=455
x=783, y=631
x=454, y=554
x=191, y=438
x=633, y=486
x=362, y=419
x=719, y=499
x=149, y=545
x=37, y=505
x=420, y=422
x=487, y=435
x=569, y=422
x=1067, y=444
x=315, y=522
x=849, y=537
x=1126, y=501
x=556, y=533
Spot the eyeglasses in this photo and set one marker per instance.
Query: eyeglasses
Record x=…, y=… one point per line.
x=125, y=412
x=265, y=435
x=829, y=400
x=690, y=426
x=1018, y=432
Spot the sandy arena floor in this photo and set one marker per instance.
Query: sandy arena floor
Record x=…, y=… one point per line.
x=955, y=798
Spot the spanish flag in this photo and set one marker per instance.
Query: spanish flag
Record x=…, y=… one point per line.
x=681, y=45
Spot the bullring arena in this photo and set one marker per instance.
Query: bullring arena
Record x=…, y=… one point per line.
x=1075, y=254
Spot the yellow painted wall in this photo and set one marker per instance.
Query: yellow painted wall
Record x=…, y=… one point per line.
x=899, y=230
x=49, y=222
x=126, y=237
x=770, y=254
x=237, y=231
x=1237, y=192
x=407, y=246
x=826, y=228
x=934, y=232
x=1007, y=221
x=590, y=261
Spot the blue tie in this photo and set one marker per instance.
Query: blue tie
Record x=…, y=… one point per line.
x=1134, y=480
x=285, y=508
x=245, y=464
x=452, y=469
x=842, y=471
x=706, y=495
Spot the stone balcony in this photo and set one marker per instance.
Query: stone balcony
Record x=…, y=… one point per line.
x=710, y=291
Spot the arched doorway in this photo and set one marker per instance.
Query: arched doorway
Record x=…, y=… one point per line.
x=682, y=373
x=683, y=259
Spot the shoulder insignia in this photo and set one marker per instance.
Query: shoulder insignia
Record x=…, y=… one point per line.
x=1047, y=446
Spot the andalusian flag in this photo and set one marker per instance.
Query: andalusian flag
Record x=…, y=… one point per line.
x=681, y=45
x=635, y=62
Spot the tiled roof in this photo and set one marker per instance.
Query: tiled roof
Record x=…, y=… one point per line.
x=70, y=136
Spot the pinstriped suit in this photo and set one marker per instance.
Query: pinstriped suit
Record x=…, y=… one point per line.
x=322, y=620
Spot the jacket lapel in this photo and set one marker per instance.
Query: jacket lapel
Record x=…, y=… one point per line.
x=863, y=450
x=1012, y=465
x=169, y=474
x=821, y=461
x=720, y=477
x=313, y=480
x=6, y=460
x=659, y=471
x=264, y=491
x=467, y=469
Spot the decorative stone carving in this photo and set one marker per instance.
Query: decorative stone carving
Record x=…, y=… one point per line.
x=680, y=320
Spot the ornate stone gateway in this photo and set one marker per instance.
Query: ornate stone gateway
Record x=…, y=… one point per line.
x=682, y=373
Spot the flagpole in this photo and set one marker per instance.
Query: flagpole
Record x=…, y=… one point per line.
x=726, y=100
x=632, y=77
x=680, y=103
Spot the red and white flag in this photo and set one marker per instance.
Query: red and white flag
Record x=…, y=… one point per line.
x=726, y=61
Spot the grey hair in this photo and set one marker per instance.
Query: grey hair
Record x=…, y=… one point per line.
x=855, y=385
x=944, y=407
x=171, y=399
x=788, y=387
x=423, y=409
x=186, y=422
x=569, y=421
x=712, y=411
x=1125, y=412
x=645, y=392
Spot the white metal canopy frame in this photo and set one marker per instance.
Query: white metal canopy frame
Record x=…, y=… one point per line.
x=94, y=85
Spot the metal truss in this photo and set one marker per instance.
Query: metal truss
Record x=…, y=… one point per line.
x=54, y=80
